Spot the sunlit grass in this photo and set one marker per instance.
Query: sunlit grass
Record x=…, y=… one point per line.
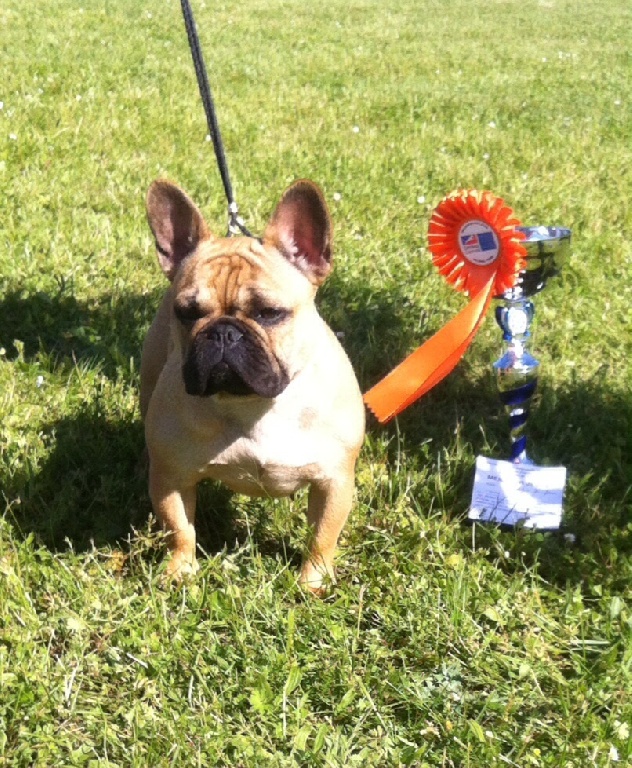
x=442, y=645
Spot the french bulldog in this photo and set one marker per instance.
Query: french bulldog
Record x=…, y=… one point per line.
x=242, y=381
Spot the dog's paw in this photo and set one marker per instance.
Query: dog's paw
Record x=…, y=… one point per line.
x=317, y=580
x=180, y=568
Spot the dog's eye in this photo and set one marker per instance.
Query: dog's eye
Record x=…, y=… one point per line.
x=270, y=315
x=188, y=313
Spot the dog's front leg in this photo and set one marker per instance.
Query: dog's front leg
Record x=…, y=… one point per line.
x=174, y=507
x=327, y=511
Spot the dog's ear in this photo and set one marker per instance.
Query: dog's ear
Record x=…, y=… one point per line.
x=300, y=228
x=177, y=224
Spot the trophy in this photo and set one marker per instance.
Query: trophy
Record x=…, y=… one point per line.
x=517, y=370
x=482, y=250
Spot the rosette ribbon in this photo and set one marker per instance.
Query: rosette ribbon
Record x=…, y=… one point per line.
x=476, y=246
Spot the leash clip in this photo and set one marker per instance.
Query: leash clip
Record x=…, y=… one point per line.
x=236, y=224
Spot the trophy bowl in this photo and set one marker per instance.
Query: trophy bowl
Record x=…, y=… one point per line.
x=547, y=251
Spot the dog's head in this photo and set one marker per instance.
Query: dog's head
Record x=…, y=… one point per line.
x=242, y=307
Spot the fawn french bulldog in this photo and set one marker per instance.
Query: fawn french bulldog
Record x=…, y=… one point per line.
x=242, y=381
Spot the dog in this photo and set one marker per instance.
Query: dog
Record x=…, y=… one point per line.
x=242, y=381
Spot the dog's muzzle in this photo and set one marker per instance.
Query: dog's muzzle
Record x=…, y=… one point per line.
x=228, y=357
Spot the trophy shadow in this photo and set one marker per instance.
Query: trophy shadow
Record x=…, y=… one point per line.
x=585, y=426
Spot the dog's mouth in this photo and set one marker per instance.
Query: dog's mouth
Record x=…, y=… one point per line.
x=226, y=357
x=221, y=378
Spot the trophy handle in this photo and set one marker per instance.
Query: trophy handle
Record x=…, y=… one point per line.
x=516, y=371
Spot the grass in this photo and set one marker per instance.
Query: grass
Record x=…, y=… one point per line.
x=442, y=644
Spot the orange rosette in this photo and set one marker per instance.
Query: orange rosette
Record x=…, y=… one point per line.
x=473, y=237
x=476, y=245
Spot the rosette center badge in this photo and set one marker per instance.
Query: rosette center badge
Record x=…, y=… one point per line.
x=479, y=244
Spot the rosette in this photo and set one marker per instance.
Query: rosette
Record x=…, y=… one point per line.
x=476, y=245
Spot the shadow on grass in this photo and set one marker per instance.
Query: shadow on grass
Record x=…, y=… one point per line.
x=586, y=427
x=583, y=425
x=89, y=490
x=107, y=333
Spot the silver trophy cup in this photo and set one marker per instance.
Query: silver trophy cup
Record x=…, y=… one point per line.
x=517, y=370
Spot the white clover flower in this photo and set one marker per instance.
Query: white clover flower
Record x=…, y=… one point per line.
x=337, y=197
x=39, y=381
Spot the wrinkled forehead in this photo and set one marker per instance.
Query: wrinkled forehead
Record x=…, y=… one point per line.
x=234, y=272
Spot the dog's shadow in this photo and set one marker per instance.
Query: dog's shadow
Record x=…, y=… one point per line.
x=91, y=487
x=92, y=491
x=59, y=330
x=84, y=490
x=88, y=488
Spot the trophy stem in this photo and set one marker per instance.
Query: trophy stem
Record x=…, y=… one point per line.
x=516, y=370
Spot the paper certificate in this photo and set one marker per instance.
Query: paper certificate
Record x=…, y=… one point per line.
x=517, y=494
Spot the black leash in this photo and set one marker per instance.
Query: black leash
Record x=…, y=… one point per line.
x=235, y=222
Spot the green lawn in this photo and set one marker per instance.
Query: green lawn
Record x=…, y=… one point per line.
x=442, y=644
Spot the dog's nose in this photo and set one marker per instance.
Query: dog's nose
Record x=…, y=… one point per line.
x=225, y=334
